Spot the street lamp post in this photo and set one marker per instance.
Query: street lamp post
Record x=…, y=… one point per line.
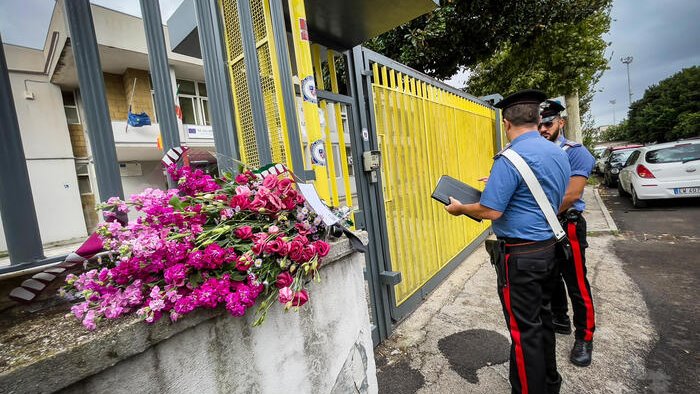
x=627, y=60
x=612, y=102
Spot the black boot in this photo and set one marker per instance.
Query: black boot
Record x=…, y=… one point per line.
x=581, y=353
x=562, y=324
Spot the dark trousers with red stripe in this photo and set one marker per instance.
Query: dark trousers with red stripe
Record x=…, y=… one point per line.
x=573, y=274
x=531, y=272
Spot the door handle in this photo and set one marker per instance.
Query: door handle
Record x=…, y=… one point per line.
x=691, y=169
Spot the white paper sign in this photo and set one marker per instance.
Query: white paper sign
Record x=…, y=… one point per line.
x=311, y=196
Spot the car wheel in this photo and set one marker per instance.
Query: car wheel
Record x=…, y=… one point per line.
x=636, y=201
x=620, y=190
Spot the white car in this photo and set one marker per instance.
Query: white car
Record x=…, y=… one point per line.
x=669, y=170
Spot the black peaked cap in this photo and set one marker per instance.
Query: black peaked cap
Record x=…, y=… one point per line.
x=527, y=96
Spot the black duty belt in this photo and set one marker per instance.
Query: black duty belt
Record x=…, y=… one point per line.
x=515, y=245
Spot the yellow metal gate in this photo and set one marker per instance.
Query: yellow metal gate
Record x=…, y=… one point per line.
x=425, y=131
x=269, y=78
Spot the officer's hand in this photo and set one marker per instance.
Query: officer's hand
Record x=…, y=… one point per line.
x=455, y=207
x=484, y=179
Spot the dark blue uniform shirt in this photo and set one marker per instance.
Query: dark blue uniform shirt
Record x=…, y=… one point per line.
x=507, y=192
x=581, y=162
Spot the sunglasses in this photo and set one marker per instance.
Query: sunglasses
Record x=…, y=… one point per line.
x=545, y=124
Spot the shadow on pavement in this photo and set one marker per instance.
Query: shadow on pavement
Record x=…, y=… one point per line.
x=468, y=351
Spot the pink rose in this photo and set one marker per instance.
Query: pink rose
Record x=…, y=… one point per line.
x=284, y=279
x=270, y=181
x=275, y=246
x=300, y=298
x=285, y=295
x=285, y=185
x=240, y=201
x=241, y=179
x=244, y=262
x=322, y=248
x=309, y=252
x=244, y=232
x=259, y=247
x=296, y=251
x=302, y=239
x=289, y=203
x=243, y=191
x=257, y=203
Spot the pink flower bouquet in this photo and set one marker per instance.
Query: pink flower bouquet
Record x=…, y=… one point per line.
x=208, y=243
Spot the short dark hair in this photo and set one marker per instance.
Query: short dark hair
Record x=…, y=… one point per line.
x=522, y=114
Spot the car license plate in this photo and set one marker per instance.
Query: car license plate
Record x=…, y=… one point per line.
x=687, y=190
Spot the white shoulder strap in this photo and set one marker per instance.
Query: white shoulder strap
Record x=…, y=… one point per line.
x=536, y=190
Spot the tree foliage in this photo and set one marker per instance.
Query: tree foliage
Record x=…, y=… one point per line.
x=667, y=111
x=461, y=33
x=565, y=58
x=616, y=132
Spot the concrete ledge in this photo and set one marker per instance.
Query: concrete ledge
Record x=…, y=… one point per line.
x=44, y=351
x=611, y=223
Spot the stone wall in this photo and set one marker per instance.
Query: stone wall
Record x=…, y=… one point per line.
x=324, y=348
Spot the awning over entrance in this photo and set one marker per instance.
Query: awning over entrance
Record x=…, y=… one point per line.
x=337, y=24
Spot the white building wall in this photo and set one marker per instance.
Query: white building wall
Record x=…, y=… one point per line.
x=49, y=155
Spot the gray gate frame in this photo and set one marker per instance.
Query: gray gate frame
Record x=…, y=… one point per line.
x=372, y=216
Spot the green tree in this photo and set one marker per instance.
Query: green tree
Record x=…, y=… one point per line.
x=567, y=59
x=668, y=111
x=461, y=33
x=618, y=132
x=554, y=45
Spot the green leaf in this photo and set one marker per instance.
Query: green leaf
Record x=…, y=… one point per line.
x=175, y=202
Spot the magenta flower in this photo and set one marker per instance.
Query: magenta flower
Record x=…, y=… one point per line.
x=170, y=259
x=175, y=275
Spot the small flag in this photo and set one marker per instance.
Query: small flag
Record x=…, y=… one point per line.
x=173, y=155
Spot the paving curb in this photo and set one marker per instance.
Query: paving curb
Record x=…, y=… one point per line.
x=611, y=223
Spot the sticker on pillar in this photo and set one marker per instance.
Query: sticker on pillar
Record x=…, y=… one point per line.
x=365, y=134
x=303, y=30
x=308, y=89
x=318, y=153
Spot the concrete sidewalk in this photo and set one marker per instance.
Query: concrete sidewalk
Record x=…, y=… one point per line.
x=457, y=342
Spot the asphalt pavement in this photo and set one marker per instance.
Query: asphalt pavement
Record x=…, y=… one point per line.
x=457, y=342
x=659, y=247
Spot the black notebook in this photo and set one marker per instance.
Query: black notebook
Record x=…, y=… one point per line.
x=449, y=187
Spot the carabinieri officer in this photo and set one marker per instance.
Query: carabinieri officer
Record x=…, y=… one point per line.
x=526, y=268
x=573, y=270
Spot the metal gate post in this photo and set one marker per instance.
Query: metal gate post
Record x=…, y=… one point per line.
x=252, y=71
x=218, y=85
x=371, y=217
x=16, y=201
x=290, y=108
x=160, y=74
x=92, y=89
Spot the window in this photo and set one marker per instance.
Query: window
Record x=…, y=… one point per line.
x=193, y=102
x=678, y=153
x=620, y=157
x=632, y=159
x=70, y=107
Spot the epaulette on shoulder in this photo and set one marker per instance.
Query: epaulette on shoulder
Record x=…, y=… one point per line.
x=570, y=144
x=501, y=151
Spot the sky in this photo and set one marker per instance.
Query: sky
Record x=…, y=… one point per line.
x=663, y=37
x=25, y=22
